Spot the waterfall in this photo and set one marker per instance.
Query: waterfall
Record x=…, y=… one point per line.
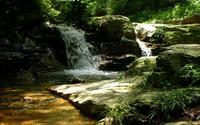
x=142, y=32
x=77, y=49
x=146, y=51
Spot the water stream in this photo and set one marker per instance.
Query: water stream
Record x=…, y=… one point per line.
x=146, y=51
x=32, y=104
x=142, y=31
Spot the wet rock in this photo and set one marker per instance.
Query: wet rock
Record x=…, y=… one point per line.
x=145, y=31
x=116, y=63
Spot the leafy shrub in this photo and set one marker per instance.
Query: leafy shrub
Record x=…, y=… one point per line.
x=96, y=7
x=172, y=102
x=48, y=9
x=179, y=11
x=168, y=11
x=190, y=73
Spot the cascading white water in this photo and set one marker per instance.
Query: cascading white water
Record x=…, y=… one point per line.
x=142, y=32
x=77, y=49
x=145, y=50
x=81, y=62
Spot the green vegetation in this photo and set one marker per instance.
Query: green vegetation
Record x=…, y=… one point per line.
x=119, y=112
x=169, y=103
x=165, y=103
x=172, y=103
x=158, y=36
x=180, y=10
x=190, y=73
x=137, y=10
x=48, y=8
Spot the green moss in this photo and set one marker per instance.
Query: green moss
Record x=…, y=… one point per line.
x=158, y=36
x=178, y=34
x=140, y=66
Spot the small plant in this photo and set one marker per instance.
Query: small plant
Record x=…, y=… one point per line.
x=172, y=102
x=191, y=73
x=120, y=112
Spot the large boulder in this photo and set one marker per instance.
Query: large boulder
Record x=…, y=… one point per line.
x=178, y=55
x=93, y=98
x=114, y=35
x=25, y=43
x=141, y=66
x=180, y=34
x=34, y=50
x=172, y=60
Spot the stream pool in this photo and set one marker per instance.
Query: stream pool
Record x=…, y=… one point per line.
x=32, y=104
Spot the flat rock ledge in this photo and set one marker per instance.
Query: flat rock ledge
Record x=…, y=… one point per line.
x=93, y=98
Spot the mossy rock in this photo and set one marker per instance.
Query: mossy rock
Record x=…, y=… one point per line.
x=181, y=34
x=178, y=55
x=171, y=61
x=115, y=34
x=141, y=66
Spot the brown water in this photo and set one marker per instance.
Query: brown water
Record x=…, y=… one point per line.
x=32, y=104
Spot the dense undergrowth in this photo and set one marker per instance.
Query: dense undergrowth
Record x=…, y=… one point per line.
x=179, y=11
x=137, y=10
